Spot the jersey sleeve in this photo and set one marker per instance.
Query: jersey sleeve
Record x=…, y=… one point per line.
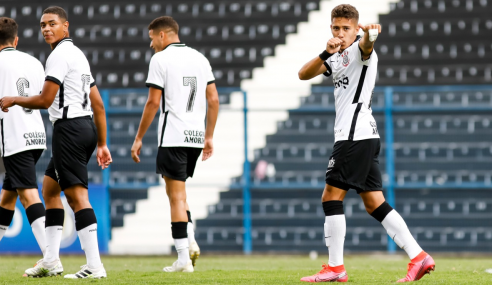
x=210, y=74
x=93, y=81
x=157, y=74
x=328, y=71
x=57, y=68
x=357, y=51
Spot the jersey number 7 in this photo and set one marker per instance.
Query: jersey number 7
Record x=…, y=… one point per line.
x=190, y=81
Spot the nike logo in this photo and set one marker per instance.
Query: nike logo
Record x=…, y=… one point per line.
x=60, y=229
x=3, y=228
x=333, y=278
x=93, y=230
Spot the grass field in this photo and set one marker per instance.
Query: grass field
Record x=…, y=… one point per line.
x=252, y=270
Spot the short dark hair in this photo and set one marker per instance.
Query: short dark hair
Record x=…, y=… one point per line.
x=57, y=11
x=164, y=23
x=345, y=11
x=8, y=30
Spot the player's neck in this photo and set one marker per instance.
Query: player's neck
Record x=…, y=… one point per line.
x=6, y=46
x=53, y=45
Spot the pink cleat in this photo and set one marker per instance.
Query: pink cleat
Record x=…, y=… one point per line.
x=328, y=274
x=417, y=269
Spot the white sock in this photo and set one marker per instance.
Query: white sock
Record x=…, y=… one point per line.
x=191, y=233
x=182, y=247
x=88, y=242
x=39, y=232
x=53, y=240
x=397, y=229
x=335, y=230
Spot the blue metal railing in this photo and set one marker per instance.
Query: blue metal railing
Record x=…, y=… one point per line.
x=388, y=110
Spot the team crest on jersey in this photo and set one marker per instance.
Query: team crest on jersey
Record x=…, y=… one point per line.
x=346, y=60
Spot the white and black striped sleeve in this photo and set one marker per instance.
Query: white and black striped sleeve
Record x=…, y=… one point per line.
x=210, y=74
x=157, y=74
x=57, y=67
x=328, y=71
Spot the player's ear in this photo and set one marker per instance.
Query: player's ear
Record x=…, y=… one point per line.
x=16, y=41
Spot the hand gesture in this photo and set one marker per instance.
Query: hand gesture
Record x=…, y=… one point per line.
x=136, y=147
x=6, y=103
x=333, y=45
x=367, y=28
x=208, y=149
x=103, y=156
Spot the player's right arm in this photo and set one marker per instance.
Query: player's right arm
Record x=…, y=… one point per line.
x=316, y=66
x=41, y=101
x=212, y=113
x=150, y=109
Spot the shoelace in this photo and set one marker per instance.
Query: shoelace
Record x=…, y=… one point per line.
x=325, y=269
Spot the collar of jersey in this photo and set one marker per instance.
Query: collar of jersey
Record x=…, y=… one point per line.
x=7, y=49
x=175, y=44
x=64, y=40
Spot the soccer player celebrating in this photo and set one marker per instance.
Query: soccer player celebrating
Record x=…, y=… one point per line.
x=68, y=93
x=22, y=133
x=183, y=78
x=352, y=62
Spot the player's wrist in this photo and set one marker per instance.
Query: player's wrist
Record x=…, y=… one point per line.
x=325, y=55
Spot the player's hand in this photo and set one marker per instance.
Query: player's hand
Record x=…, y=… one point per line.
x=333, y=45
x=136, y=147
x=370, y=27
x=208, y=149
x=103, y=156
x=6, y=103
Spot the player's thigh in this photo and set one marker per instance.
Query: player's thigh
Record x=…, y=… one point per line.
x=77, y=197
x=21, y=170
x=372, y=200
x=8, y=199
x=331, y=193
x=74, y=141
x=176, y=189
x=171, y=162
x=28, y=197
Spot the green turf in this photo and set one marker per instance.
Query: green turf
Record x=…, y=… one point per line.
x=252, y=270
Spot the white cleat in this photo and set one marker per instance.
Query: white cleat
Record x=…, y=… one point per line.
x=176, y=267
x=42, y=270
x=194, y=252
x=86, y=272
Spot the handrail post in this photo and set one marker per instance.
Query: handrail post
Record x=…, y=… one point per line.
x=106, y=173
x=390, y=156
x=247, y=240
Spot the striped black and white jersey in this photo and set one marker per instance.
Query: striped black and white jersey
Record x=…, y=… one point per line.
x=354, y=80
x=68, y=67
x=182, y=73
x=21, y=129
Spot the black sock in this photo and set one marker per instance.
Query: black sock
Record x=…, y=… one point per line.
x=35, y=211
x=189, y=216
x=381, y=212
x=333, y=207
x=179, y=229
x=6, y=217
x=85, y=218
x=54, y=217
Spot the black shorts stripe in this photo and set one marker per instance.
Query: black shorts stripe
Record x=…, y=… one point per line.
x=354, y=122
x=359, y=86
x=163, y=127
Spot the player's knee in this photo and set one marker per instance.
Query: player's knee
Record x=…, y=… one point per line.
x=8, y=200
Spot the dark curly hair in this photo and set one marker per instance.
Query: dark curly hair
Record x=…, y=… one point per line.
x=345, y=11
